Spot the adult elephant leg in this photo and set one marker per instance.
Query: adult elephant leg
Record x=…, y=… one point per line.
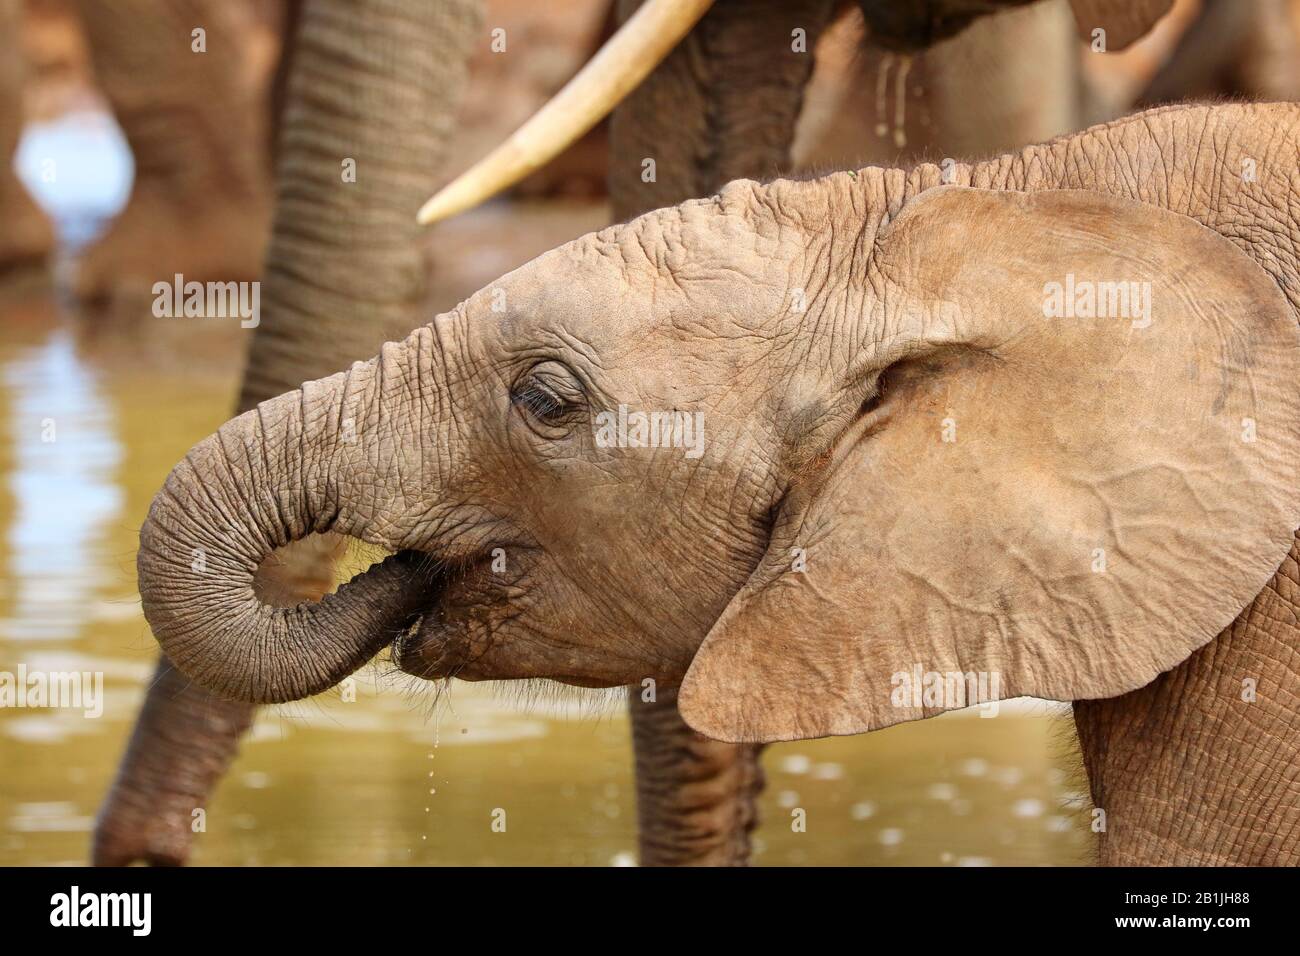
x=723, y=105
x=27, y=239
x=186, y=101
x=696, y=797
x=1202, y=766
x=344, y=274
x=184, y=739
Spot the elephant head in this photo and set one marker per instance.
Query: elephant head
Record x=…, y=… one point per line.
x=784, y=443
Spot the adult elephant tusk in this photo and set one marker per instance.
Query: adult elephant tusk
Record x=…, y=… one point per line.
x=616, y=70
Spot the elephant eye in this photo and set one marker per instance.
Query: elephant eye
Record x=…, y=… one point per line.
x=550, y=395
x=539, y=402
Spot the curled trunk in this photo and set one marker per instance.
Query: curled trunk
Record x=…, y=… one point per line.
x=299, y=464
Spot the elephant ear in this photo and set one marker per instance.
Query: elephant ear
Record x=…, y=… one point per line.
x=1061, y=488
x=1125, y=21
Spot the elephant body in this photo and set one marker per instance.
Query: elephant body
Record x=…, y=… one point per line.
x=1003, y=81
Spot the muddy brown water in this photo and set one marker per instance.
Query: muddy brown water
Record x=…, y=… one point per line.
x=397, y=777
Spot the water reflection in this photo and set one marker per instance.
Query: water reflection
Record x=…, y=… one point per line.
x=79, y=168
x=62, y=483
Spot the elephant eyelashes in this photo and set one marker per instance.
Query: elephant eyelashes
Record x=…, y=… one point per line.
x=541, y=404
x=549, y=395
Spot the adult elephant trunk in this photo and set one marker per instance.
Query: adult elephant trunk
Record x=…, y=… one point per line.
x=298, y=464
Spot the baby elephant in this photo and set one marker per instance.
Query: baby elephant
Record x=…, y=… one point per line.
x=800, y=446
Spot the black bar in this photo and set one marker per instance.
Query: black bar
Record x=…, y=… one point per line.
x=945, y=906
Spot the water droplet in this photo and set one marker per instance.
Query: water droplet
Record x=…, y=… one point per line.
x=882, y=94
x=900, y=101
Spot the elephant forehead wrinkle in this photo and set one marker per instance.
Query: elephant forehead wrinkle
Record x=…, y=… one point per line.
x=585, y=349
x=603, y=247
x=612, y=258
x=448, y=344
x=656, y=240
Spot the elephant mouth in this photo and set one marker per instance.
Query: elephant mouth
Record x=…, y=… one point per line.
x=452, y=626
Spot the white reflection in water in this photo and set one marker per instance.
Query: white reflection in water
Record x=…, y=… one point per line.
x=52, y=817
x=79, y=168
x=891, y=836
x=795, y=764
x=863, y=810
x=827, y=771
x=63, y=489
x=1028, y=808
